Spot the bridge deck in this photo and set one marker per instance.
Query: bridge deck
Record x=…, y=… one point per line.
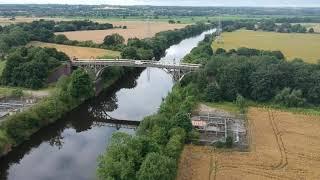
x=134, y=63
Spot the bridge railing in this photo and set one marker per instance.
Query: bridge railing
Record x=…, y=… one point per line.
x=130, y=61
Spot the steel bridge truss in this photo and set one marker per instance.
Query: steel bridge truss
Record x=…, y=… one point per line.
x=95, y=67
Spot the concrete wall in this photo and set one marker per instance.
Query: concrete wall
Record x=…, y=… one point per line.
x=63, y=70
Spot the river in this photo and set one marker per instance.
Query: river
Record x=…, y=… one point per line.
x=69, y=148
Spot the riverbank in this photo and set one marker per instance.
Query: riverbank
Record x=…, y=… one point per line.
x=18, y=128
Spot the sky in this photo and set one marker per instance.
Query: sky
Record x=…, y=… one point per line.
x=264, y=3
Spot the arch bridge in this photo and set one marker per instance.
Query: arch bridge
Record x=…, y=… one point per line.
x=97, y=66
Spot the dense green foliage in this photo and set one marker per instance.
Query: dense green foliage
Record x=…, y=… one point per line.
x=20, y=34
x=19, y=127
x=276, y=25
x=261, y=76
x=153, y=153
x=64, y=26
x=114, y=42
x=30, y=67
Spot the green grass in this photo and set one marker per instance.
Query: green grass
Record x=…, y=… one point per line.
x=233, y=108
x=298, y=110
x=2, y=66
x=227, y=106
x=6, y=91
x=293, y=45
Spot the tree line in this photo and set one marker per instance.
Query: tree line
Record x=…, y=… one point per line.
x=272, y=25
x=22, y=33
x=99, y=11
x=154, y=151
x=262, y=76
x=69, y=93
x=30, y=67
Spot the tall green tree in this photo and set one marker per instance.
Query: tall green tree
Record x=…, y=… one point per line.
x=81, y=85
x=157, y=167
x=113, y=40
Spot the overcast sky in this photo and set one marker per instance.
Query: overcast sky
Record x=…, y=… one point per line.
x=266, y=3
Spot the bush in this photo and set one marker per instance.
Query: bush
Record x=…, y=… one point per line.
x=16, y=93
x=219, y=144
x=229, y=142
x=241, y=103
x=113, y=40
x=213, y=93
x=290, y=98
x=157, y=167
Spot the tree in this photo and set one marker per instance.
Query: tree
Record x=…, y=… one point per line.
x=158, y=167
x=60, y=38
x=113, y=40
x=241, y=103
x=182, y=120
x=220, y=51
x=80, y=86
x=213, y=93
x=171, y=21
x=130, y=53
x=290, y=98
x=17, y=93
x=311, y=30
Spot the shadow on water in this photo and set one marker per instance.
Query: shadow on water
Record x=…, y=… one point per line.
x=69, y=148
x=81, y=119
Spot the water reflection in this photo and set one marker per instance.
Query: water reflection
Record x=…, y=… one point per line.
x=69, y=148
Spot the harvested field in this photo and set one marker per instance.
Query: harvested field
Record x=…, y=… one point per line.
x=283, y=146
x=138, y=29
x=79, y=52
x=305, y=46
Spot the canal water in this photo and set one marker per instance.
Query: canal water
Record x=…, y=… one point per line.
x=69, y=149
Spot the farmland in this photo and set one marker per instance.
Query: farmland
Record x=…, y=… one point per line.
x=283, y=146
x=305, y=46
x=79, y=52
x=138, y=29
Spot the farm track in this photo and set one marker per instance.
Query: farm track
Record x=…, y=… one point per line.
x=284, y=158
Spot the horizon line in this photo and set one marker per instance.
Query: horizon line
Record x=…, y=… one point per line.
x=239, y=6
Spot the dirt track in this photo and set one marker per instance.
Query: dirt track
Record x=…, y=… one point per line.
x=283, y=146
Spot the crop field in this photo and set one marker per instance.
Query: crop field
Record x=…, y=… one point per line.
x=79, y=52
x=283, y=146
x=305, y=46
x=135, y=29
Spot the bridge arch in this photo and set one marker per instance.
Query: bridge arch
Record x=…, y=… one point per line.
x=96, y=67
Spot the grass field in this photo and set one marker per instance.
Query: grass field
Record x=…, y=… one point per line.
x=79, y=52
x=283, y=146
x=138, y=29
x=305, y=46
